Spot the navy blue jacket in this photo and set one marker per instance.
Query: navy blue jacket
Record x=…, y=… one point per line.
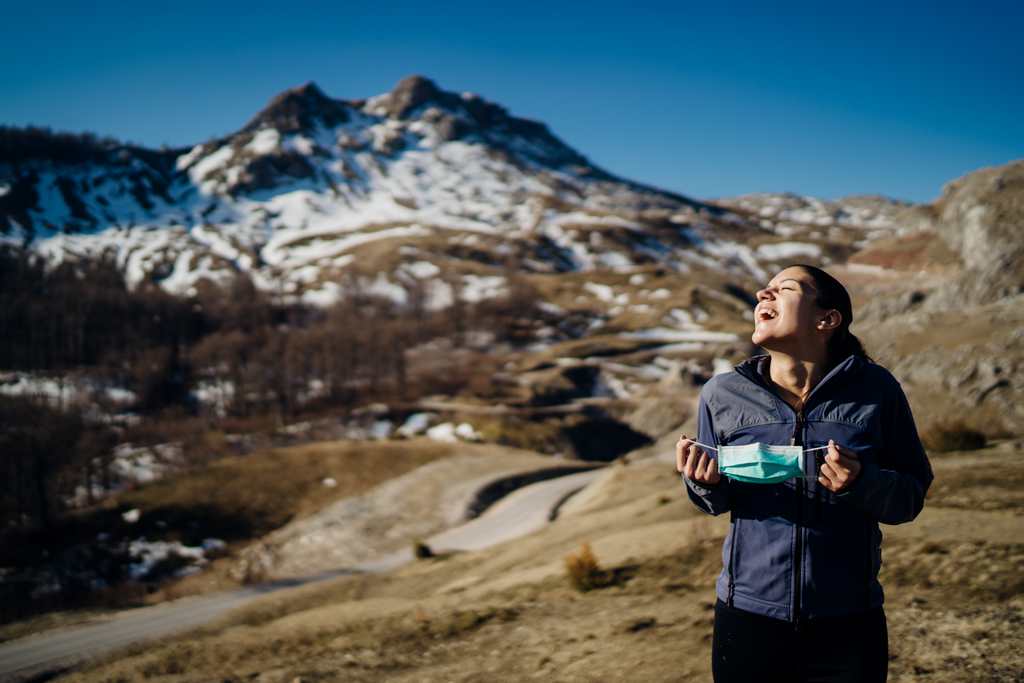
x=796, y=550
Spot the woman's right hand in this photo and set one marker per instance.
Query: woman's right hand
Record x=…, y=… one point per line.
x=696, y=464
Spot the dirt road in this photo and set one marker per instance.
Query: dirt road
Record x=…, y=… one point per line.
x=521, y=512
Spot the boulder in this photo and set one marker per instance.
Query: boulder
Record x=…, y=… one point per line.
x=981, y=216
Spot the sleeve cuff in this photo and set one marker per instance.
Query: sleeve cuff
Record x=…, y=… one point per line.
x=701, y=489
x=855, y=491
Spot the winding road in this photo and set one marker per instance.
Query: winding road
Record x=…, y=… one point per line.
x=521, y=512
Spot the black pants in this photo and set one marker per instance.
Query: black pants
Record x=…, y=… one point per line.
x=749, y=647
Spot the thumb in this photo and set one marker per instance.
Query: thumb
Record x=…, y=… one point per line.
x=842, y=451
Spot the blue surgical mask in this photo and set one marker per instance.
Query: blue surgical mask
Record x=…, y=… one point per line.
x=758, y=463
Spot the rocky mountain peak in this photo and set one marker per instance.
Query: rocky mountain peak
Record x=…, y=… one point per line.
x=412, y=92
x=298, y=109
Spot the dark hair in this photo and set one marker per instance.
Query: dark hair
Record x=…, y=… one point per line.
x=832, y=294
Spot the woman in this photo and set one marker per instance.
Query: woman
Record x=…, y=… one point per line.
x=798, y=596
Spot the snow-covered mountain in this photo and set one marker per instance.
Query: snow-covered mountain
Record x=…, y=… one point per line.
x=414, y=185
x=788, y=214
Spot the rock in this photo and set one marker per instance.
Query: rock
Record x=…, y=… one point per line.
x=662, y=407
x=409, y=93
x=299, y=109
x=981, y=216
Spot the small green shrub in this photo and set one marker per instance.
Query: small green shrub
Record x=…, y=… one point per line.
x=954, y=436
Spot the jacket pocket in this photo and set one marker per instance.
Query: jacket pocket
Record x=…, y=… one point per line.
x=762, y=566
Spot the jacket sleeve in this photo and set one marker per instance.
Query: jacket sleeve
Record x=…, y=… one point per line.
x=893, y=491
x=711, y=499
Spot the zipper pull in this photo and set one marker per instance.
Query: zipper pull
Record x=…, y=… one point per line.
x=796, y=427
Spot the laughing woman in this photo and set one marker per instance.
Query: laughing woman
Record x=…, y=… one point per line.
x=798, y=596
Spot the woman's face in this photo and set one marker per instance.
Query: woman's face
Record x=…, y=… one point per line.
x=786, y=312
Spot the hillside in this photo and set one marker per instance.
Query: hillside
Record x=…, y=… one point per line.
x=510, y=612
x=423, y=267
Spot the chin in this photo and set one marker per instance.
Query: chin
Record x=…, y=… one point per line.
x=765, y=341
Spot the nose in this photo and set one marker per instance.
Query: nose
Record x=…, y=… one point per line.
x=766, y=294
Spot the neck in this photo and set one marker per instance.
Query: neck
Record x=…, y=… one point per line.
x=796, y=375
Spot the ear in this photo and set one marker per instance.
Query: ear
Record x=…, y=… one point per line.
x=830, y=321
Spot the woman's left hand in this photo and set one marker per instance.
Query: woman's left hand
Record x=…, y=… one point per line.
x=840, y=468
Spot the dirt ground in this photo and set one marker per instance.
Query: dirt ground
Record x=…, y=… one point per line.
x=953, y=581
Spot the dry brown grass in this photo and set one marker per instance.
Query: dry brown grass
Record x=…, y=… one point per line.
x=583, y=570
x=241, y=498
x=914, y=252
x=541, y=435
x=991, y=479
x=247, y=496
x=954, y=436
x=954, y=601
x=51, y=620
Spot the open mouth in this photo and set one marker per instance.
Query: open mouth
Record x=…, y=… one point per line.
x=764, y=314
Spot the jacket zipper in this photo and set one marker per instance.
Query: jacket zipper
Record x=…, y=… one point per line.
x=797, y=437
x=797, y=440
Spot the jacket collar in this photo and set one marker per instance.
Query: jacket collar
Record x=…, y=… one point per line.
x=755, y=369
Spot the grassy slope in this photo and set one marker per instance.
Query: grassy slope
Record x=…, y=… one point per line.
x=952, y=578
x=238, y=499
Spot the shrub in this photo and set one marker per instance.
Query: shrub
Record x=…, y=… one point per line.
x=421, y=550
x=583, y=570
x=954, y=436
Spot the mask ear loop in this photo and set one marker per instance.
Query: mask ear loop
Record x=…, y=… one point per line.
x=814, y=476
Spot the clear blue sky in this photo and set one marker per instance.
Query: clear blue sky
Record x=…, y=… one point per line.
x=820, y=98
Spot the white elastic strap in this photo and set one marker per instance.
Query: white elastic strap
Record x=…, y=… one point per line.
x=806, y=450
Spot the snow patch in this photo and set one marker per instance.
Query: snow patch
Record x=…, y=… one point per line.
x=264, y=142
x=667, y=334
x=477, y=288
x=786, y=250
x=149, y=554
x=415, y=424
x=422, y=269
x=450, y=433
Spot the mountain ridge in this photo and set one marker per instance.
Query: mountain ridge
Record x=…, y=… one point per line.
x=312, y=187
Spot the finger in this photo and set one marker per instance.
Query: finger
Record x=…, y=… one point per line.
x=834, y=461
x=832, y=454
x=840, y=451
x=701, y=471
x=837, y=475
x=843, y=450
x=839, y=461
x=847, y=463
x=691, y=463
x=825, y=482
x=713, y=475
x=680, y=456
x=829, y=473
